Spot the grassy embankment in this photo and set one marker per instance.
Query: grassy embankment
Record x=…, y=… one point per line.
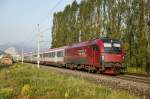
x=26, y=82
x=137, y=70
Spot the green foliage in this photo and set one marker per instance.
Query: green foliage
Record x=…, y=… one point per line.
x=134, y=69
x=28, y=82
x=127, y=20
x=6, y=93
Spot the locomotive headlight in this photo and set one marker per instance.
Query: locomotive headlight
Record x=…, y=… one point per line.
x=103, y=58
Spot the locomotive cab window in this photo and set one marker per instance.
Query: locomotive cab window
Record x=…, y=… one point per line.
x=117, y=47
x=112, y=47
x=107, y=47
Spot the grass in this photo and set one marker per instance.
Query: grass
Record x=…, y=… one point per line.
x=138, y=70
x=27, y=82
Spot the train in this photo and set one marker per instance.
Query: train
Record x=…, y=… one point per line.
x=102, y=55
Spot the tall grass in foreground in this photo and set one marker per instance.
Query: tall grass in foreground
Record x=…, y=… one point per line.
x=27, y=82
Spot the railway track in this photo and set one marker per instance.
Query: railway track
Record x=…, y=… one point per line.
x=134, y=78
x=137, y=74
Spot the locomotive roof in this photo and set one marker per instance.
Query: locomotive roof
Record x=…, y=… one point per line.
x=107, y=39
x=94, y=41
x=90, y=42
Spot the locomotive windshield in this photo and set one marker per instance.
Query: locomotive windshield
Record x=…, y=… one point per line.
x=111, y=46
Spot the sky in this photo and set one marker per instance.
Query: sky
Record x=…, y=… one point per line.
x=19, y=19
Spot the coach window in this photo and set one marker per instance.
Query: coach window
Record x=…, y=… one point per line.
x=57, y=54
x=34, y=55
x=49, y=55
x=53, y=54
x=60, y=54
x=95, y=47
x=41, y=55
x=44, y=55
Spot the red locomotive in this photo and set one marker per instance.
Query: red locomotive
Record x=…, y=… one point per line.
x=102, y=55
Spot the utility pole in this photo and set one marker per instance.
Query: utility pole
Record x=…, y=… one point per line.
x=17, y=56
x=38, y=54
x=22, y=56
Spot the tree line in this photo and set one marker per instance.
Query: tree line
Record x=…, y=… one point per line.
x=126, y=20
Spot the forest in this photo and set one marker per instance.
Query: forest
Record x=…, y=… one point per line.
x=126, y=20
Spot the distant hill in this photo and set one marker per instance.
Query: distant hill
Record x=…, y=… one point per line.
x=18, y=47
x=11, y=51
